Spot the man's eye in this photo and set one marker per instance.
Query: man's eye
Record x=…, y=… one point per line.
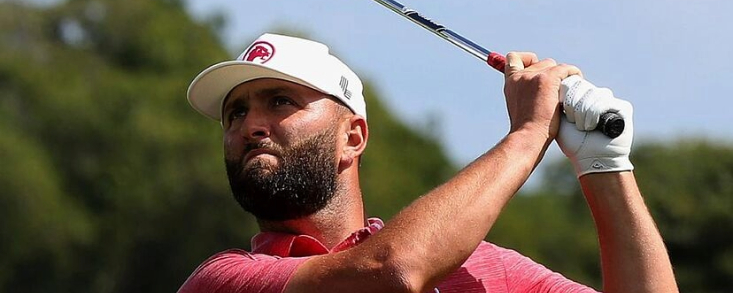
x=281, y=101
x=237, y=113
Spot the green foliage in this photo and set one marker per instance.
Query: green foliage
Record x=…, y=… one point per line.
x=109, y=178
x=689, y=190
x=399, y=164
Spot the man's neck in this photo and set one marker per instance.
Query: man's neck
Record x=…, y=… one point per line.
x=343, y=215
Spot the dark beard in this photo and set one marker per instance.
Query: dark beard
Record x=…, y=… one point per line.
x=303, y=183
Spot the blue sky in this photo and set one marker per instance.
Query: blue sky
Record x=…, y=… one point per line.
x=670, y=58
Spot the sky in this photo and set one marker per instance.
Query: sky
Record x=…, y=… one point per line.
x=670, y=58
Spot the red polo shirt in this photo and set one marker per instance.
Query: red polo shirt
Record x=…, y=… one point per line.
x=275, y=256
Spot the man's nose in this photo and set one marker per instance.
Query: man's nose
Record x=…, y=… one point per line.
x=255, y=126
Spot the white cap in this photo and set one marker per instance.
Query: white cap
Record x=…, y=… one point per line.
x=297, y=60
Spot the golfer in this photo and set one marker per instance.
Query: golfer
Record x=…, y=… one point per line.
x=295, y=127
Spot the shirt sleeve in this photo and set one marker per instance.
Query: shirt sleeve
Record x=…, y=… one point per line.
x=239, y=271
x=525, y=275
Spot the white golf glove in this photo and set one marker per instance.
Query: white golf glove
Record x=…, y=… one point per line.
x=592, y=151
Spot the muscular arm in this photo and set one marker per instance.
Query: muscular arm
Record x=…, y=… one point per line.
x=435, y=234
x=438, y=232
x=633, y=256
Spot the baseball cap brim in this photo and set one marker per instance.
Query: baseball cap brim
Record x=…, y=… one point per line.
x=208, y=90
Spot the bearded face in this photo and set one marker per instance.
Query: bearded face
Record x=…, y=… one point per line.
x=300, y=184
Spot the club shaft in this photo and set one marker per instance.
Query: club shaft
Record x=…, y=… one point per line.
x=611, y=124
x=494, y=59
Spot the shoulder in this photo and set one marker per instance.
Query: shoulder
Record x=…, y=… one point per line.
x=501, y=261
x=489, y=252
x=501, y=256
x=520, y=273
x=237, y=270
x=484, y=271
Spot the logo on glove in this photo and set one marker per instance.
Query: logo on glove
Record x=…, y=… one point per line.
x=598, y=165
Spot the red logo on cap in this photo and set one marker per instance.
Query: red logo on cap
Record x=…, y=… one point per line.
x=259, y=52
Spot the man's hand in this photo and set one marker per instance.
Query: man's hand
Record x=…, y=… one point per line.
x=592, y=151
x=531, y=91
x=633, y=256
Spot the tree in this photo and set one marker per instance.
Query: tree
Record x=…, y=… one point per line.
x=689, y=189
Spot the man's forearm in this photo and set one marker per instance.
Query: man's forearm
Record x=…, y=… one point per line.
x=633, y=256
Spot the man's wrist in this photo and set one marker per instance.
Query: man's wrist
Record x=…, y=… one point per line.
x=527, y=144
x=529, y=139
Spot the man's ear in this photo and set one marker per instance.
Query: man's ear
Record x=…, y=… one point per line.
x=356, y=134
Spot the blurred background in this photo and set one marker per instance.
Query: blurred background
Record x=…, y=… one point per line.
x=110, y=182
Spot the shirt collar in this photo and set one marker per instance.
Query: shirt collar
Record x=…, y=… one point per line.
x=289, y=245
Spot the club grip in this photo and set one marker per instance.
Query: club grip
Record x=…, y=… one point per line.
x=610, y=124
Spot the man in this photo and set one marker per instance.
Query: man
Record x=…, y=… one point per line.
x=295, y=126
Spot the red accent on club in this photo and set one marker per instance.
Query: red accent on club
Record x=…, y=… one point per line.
x=497, y=61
